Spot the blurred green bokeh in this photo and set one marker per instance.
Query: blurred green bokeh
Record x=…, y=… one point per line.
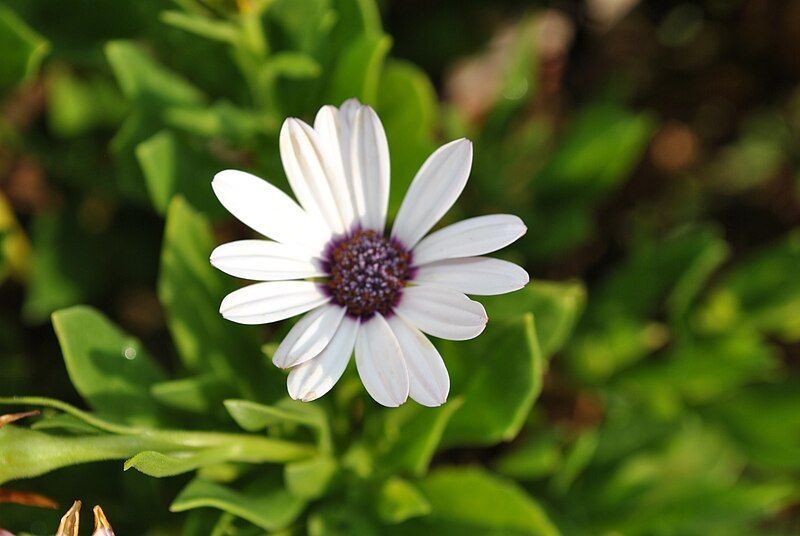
x=644, y=383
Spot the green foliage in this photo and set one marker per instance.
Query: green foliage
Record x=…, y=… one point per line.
x=650, y=388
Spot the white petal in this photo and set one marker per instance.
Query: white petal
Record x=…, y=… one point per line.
x=312, y=379
x=429, y=383
x=380, y=363
x=437, y=185
x=309, y=336
x=263, y=303
x=333, y=134
x=267, y=210
x=369, y=158
x=348, y=110
x=442, y=312
x=474, y=275
x=468, y=238
x=262, y=260
x=310, y=172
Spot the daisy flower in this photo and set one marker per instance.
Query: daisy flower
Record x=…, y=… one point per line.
x=361, y=289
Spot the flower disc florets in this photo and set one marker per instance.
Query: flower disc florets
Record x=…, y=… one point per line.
x=367, y=273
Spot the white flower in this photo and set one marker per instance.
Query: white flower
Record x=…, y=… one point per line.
x=360, y=289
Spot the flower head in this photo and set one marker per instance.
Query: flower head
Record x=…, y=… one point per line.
x=358, y=287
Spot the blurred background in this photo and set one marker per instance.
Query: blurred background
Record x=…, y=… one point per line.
x=652, y=148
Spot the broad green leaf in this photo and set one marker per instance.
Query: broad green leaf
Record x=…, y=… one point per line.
x=190, y=290
x=173, y=167
x=266, y=505
x=473, y=501
x=110, y=369
x=23, y=49
x=145, y=81
x=414, y=434
x=399, y=500
x=499, y=375
x=309, y=479
x=357, y=72
x=556, y=307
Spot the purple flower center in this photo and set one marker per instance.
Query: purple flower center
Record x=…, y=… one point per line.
x=367, y=273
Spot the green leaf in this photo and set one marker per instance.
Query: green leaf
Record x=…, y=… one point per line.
x=357, y=73
x=195, y=394
x=597, y=151
x=239, y=126
x=190, y=290
x=267, y=505
x=172, y=167
x=78, y=105
x=143, y=80
x=23, y=49
x=473, y=501
x=160, y=465
x=66, y=423
x=399, y=500
x=409, y=111
x=556, y=307
x=499, y=375
x=575, y=461
x=254, y=417
x=295, y=65
x=309, y=479
x=217, y=30
x=27, y=453
x=602, y=351
x=414, y=434
x=110, y=369
x=538, y=457
x=764, y=291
